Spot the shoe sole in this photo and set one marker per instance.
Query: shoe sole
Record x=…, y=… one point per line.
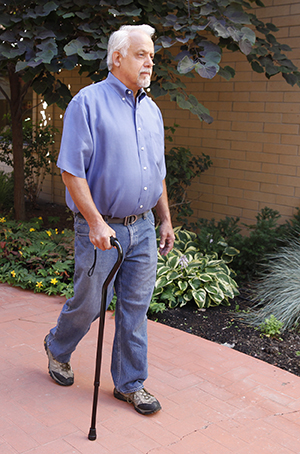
x=120, y=396
x=56, y=379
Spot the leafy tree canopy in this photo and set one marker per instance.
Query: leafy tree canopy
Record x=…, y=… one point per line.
x=41, y=38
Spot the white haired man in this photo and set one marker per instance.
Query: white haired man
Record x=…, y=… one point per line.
x=112, y=163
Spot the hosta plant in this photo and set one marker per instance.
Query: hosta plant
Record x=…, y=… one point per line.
x=186, y=275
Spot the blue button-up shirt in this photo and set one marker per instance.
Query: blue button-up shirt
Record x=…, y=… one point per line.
x=117, y=144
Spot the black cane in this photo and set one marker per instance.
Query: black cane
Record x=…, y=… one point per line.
x=114, y=242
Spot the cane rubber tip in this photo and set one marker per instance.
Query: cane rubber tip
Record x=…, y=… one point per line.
x=92, y=435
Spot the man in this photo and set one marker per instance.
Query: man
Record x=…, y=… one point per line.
x=112, y=163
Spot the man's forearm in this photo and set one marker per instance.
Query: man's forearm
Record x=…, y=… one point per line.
x=81, y=195
x=162, y=207
x=100, y=232
x=167, y=236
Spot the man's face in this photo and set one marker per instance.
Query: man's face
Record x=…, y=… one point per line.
x=135, y=69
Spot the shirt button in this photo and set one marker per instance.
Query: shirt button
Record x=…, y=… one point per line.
x=141, y=206
x=139, y=129
x=145, y=168
x=123, y=99
x=143, y=148
x=145, y=188
x=129, y=92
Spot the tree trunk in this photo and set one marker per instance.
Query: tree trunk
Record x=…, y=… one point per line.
x=17, y=142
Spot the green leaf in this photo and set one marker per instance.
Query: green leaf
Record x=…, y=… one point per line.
x=248, y=35
x=229, y=250
x=205, y=277
x=162, y=270
x=173, y=262
x=21, y=65
x=227, y=72
x=199, y=297
x=171, y=276
x=185, y=65
x=161, y=282
x=207, y=71
x=213, y=290
x=74, y=46
x=291, y=79
x=173, y=304
x=236, y=14
x=183, y=285
x=49, y=7
x=195, y=283
x=257, y=67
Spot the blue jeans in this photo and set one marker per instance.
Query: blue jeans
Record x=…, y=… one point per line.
x=133, y=284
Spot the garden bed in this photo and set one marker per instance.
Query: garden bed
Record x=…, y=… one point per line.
x=218, y=324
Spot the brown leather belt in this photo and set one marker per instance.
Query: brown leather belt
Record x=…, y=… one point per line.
x=128, y=220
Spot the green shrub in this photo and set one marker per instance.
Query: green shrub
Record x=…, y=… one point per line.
x=186, y=275
x=212, y=235
x=38, y=154
x=260, y=239
x=6, y=191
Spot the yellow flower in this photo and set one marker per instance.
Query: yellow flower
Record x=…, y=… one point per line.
x=42, y=242
x=13, y=273
x=62, y=231
x=56, y=272
x=56, y=231
x=48, y=232
x=41, y=218
x=20, y=252
x=54, y=281
x=2, y=220
x=32, y=229
x=39, y=284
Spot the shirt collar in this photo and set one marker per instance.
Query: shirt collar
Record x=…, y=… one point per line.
x=121, y=89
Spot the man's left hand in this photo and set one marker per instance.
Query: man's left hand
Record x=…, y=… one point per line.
x=167, y=238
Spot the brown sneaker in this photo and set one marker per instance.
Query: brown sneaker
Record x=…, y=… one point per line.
x=62, y=373
x=143, y=402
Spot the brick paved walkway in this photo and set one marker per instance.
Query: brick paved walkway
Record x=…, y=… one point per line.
x=215, y=400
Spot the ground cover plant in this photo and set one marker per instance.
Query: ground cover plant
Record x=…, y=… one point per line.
x=35, y=258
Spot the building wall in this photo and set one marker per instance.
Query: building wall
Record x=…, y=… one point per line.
x=253, y=141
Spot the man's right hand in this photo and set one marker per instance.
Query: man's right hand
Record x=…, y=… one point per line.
x=100, y=234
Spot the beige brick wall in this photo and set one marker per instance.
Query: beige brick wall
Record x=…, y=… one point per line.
x=254, y=140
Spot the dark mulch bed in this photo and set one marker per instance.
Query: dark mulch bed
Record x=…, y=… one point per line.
x=218, y=324
x=221, y=325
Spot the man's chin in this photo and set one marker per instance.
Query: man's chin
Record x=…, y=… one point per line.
x=144, y=82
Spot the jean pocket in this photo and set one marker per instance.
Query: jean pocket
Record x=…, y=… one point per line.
x=151, y=218
x=81, y=227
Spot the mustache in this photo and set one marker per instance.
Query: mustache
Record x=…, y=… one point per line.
x=145, y=71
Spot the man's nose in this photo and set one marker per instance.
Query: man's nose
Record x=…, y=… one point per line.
x=149, y=61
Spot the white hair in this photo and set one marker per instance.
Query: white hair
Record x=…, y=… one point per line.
x=119, y=40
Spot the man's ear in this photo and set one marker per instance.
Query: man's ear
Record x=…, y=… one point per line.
x=116, y=58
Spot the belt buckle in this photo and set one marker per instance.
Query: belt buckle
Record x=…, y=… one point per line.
x=129, y=220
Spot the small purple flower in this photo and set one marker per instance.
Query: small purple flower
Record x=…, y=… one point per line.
x=183, y=262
